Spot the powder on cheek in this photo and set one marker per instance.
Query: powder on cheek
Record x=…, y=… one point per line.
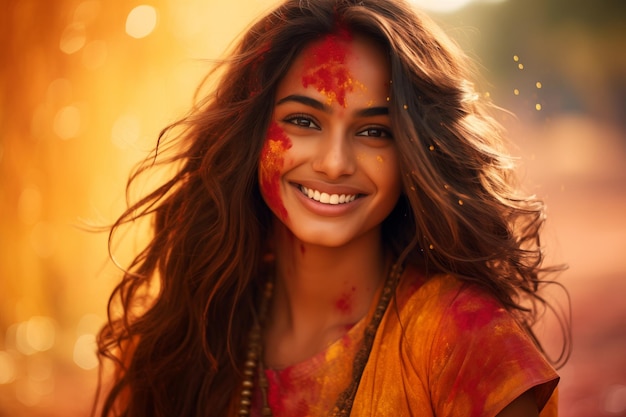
x=272, y=162
x=329, y=73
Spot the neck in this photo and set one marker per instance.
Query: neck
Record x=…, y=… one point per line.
x=319, y=293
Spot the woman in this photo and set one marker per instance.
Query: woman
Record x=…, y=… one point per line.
x=342, y=236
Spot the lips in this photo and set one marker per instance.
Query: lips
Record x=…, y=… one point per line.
x=326, y=198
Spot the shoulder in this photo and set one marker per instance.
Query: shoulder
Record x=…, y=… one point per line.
x=444, y=297
x=453, y=317
x=473, y=354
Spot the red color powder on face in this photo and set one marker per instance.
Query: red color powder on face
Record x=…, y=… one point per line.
x=272, y=162
x=328, y=71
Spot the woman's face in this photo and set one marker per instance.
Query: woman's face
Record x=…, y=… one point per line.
x=329, y=166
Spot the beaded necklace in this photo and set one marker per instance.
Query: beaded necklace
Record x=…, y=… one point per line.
x=253, y=365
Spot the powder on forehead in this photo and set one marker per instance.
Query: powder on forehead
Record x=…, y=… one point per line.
x=326, y=67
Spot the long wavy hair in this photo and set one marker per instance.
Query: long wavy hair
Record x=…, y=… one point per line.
x=180, y=351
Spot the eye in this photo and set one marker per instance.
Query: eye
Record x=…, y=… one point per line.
x=375, y=132
x=303, y=121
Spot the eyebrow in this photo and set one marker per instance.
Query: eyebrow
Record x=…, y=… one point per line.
x=318, y=105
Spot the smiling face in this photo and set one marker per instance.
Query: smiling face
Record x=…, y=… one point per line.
x=329, y=169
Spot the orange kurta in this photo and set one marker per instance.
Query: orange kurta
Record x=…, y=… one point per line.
x=443, y=348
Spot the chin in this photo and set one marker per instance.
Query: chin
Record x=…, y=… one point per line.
x=328, y=236
x=320, y=238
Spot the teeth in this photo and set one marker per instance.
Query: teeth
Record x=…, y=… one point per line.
x=327, y=198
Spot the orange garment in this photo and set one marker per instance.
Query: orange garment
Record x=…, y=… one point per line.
x=443, y=348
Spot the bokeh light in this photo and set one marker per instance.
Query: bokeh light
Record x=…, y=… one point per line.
x=615, y=400
x=141, y=21
x=67, y=122
x=8, y=371
x=40, y=333
x=85, y=352
x=73, y=38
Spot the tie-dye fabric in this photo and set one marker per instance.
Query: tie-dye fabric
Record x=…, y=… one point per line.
x=444, y=348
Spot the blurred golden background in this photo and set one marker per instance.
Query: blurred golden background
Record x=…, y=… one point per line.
x=86, y=85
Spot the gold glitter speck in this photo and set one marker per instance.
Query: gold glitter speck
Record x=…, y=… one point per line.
x=515, y=58
x=520, y=66
x=405, y=107
x=431, y=147
x=516, y=92
x=537, y=106
x=460, y=202
x=538, y=85
x=431, y=247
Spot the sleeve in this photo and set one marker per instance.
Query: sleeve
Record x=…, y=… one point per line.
x=482, y=359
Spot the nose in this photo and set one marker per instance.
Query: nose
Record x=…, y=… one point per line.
x=335, y=155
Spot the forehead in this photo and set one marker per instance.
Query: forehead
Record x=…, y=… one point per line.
x=339, y=64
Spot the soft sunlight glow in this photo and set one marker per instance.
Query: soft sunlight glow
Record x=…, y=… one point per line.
x=43, y=239
x=448, y=6
x=125, y=132
x=29, y=205
x=94, y=54
x=89, y=84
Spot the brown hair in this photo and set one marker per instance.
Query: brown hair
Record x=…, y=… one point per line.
x=460, y=212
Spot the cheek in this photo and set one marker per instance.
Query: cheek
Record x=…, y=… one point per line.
x=381, y=164
x=383, y=169
x=394, y=175
x=271, y=164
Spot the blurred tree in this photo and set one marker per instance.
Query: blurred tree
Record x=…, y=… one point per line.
x=575, y=48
